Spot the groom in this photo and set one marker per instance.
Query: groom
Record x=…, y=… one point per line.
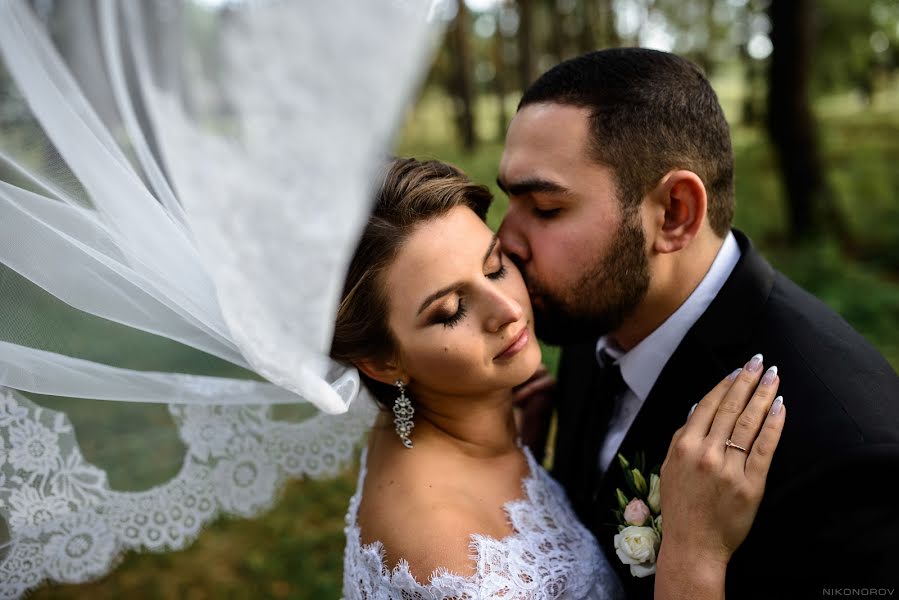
x=619, y=171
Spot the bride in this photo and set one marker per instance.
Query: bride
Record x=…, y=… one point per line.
x=450, y=504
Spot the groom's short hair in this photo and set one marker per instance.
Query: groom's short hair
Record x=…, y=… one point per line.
x=651, y=112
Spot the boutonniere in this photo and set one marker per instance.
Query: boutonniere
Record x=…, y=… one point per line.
x=639, y=518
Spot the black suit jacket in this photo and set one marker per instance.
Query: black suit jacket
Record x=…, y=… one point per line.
x=828, y=520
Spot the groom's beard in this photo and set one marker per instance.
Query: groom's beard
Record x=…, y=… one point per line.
x=602, y=298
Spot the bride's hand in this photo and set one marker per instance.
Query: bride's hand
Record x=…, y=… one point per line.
x=711, y=490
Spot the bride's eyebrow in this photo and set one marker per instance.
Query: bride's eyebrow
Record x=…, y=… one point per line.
x=491, y=247
x=452, y=288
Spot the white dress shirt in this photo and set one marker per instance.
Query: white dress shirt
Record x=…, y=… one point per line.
x=642, y=365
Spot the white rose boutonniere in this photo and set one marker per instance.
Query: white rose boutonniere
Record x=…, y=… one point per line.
x=638, y=547
x=638, y=517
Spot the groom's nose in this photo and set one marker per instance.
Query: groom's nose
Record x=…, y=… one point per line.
x=513, y=240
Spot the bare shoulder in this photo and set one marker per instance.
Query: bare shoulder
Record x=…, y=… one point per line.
x=429, y=527
x=425, y=518
x=429, y=536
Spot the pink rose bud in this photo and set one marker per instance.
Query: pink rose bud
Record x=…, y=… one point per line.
x=636, y=512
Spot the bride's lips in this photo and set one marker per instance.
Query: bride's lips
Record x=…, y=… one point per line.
x=516, y=346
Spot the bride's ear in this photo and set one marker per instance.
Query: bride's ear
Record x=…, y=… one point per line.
x=385, y=371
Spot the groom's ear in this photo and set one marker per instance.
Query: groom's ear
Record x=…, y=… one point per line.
x=384, y=370
x=680, y=204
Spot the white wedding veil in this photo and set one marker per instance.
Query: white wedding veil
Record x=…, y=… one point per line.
x=181, y=188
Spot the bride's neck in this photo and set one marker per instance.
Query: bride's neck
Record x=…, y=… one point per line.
x=481, y=428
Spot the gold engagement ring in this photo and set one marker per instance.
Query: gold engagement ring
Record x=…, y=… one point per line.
x=730, y=444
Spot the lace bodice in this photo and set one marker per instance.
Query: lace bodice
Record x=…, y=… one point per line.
x=549, y=556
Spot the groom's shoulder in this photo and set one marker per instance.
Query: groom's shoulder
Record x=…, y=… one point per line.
x=827, y=365
x=813, y=329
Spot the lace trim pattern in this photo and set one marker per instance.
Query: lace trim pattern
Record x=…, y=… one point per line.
x=67, y=525
x=549, y=555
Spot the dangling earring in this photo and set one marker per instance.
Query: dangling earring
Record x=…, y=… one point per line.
x=402, y=415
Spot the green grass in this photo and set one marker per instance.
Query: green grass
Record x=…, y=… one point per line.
x=295, y=551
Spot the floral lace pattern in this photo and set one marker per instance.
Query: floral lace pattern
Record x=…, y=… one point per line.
x=549, y=556
x=67, y=525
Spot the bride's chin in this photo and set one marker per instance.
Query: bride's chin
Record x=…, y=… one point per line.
x=530, y=362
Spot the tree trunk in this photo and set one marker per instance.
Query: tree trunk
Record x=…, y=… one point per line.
x=791, y=123
x=498, y=51
x=587, y=38
x=751, y=110
x=462, y=87
x=557, y=33
x=705, y=56
x=525, y=43
x=608, y=35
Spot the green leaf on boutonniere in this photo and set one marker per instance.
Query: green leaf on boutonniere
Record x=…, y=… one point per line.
x=621, y=528
x=619, y=516
x=639, y=483
x=625, y=466
x=629, y=480
x=641, y=461
x=622, y=499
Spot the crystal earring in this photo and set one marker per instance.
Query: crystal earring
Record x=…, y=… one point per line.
x=402, y=415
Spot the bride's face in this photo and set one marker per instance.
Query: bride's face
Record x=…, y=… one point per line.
x=459, y=310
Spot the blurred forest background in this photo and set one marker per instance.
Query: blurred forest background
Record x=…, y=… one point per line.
x=811, y=90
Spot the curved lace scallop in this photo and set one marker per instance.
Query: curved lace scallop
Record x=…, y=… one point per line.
x=549, y=556
x=67, y=525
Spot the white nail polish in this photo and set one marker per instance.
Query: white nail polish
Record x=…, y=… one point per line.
x=689, y=414
x=778, y=404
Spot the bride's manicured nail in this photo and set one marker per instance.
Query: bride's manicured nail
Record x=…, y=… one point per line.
x=690, y=414
x=770, y=374
x=733, y=376
x=754, y=364
x=778, y=404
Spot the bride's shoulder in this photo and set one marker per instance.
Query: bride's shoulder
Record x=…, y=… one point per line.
x=427, y=524
x=423, y=512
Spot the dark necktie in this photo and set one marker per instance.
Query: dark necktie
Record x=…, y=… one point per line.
x=609, y=388
x=600, y=403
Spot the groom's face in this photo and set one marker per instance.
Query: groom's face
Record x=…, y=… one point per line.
x=583, y=257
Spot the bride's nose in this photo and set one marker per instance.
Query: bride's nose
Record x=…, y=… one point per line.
x=502, y=310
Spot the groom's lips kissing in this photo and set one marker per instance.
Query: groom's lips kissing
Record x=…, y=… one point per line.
x=518, y=343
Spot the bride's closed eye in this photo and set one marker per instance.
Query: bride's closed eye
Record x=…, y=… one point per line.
x=451, y=320
x=498, y=274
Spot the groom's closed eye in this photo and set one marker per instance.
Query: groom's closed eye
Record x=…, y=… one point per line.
x=546, y=213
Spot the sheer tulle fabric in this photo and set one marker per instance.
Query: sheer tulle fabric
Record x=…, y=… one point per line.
x=181, y=187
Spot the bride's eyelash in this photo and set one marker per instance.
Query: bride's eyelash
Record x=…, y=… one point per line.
x=453, y=320
x=499, y=273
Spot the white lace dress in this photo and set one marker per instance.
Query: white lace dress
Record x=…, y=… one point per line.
x=549, y=556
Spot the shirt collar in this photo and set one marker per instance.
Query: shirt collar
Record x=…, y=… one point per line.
x=642, y=365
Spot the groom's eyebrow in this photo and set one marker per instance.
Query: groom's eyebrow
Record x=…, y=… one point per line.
x=531, y=186
x=452, y=288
